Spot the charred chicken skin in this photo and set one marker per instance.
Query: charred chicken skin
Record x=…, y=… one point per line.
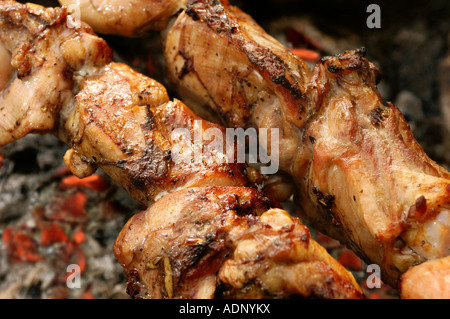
x=227, y=242
x=206, y=233
x=361, y=176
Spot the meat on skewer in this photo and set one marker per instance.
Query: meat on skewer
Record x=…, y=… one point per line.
x=361, y=176
x=225, y=242
x=206, y=233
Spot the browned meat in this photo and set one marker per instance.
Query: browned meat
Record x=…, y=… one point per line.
x=129, y=18
x=390, y=201
x=238, y=70
x=111, y=116
x=38, y=45
x=225, y=242
x=123, y=123
x=361, y=177
x=196, y=234
x=429, y=280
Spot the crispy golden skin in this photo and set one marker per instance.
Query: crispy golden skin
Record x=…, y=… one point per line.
x=387, y=199
x=361, y=176
x=225, y=242
x=111, y=116
x=368, y=183
x=43, y=50
x=220, y=59
x=122, y=122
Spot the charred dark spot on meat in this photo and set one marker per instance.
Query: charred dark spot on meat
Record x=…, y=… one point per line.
x=281, y=79
x=199, y=248
x=230, y=201
x=419, y=208
x=133, y=284
x=150, y=123
x=149, y=168
x=190, y=11
x=377, y=116
x=334, y=67
x=325, y=200
x=188, y=65
x=262, y=58
x=349, y=60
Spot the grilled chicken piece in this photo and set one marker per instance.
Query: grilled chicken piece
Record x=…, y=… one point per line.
x=225, y=242
x=111, y=116
x=367, y=175
x=40, y=82
x=429, y=280
x=361, y=177
x=124, y=123
x=239, y=71
x=131, y=18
